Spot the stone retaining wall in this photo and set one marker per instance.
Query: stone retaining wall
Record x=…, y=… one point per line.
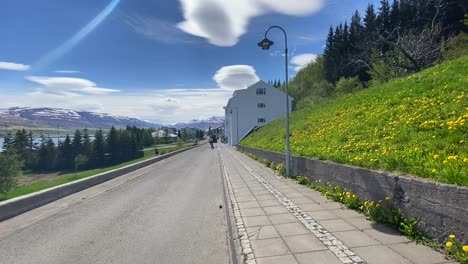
x=440, y=208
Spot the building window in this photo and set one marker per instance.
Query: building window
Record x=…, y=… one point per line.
x=261, y=120
x=261, y=91
x=260, y=105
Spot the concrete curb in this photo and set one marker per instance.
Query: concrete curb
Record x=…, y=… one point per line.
x=13, y=207
x=439, y=208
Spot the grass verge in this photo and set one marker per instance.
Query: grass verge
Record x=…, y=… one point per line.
x=415, y=125
x=70, y=177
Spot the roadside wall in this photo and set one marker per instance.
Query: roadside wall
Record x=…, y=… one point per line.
x=440, y=208
x=19, y=205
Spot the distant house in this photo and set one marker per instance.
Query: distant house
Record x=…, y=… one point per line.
x=255, y=106
x=165, y=135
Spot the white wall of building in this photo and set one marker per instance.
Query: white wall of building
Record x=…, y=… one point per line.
x=242, y=112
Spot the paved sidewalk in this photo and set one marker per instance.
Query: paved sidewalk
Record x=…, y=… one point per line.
x=281, y=222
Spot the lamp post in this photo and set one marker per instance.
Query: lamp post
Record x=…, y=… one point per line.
x=265, y=44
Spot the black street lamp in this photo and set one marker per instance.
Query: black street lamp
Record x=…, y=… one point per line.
x=265, y=44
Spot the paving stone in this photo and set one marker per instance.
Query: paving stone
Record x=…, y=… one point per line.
x=246, y=198
x=346, y=213
x=252, y=211
x=292, y=229
x=269, y=202
x=319, y=199
x=245, y=205
x=288, y=259
x=267, y=232
x=355, y=238
x=311, y=207
x=294, y=194
x=336, y=225
x=270, y=210
x=418, y=254
x=386, y=235
x=257, y=193
x=304, y=243
x=265, y=197
x=302, y=200
x=256, y=221
x=253, y=189
x=282, y=218
x=331, y=205
x=269, y=247
x=242, y=194
x=318, y=257
x=380, y=255
x=360, y=222
x=322, y=215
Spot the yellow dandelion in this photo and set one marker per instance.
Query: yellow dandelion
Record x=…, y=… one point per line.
x=434, y=171
x=388, y=198
x=444, y=162
x=436, y=157
x=452, y=236
x=449, y=244
x=377, y=205
x=465, y=160
x=354, y=196
x=465, y=248
x=452, y=158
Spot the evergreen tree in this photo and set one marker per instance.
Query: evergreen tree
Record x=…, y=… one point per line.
x=47, y=155
x=98, y=157
x=370, y=24
x=10, y=168
x=65, y=149
x=395, y=15
x=77, y=143
x=7, y=141
x=87, y=145
x=113, y=145
x=20, y=144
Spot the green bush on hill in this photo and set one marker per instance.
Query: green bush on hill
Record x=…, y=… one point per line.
x=414, y=125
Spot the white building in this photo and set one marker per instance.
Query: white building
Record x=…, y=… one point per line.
x=255, y=106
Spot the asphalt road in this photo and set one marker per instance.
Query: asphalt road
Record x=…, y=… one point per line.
x=164, y=213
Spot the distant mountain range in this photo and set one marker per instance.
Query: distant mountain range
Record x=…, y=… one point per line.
x=213, y=122
x=66, y=119
x=70, y=119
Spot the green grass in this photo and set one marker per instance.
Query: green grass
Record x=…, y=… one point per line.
x=70, y=177
x=415, y=125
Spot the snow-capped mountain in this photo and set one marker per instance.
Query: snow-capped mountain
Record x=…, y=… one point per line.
x=213, y=122
x=64, y=118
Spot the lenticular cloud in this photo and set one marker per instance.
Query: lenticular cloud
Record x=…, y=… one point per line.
x=223, y=22
x=235, y=77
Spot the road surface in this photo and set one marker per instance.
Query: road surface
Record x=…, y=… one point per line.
x=167, y=212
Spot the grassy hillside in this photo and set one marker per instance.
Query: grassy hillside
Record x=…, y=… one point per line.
x=416, y=125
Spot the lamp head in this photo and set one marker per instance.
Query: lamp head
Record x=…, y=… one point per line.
x=265, y=44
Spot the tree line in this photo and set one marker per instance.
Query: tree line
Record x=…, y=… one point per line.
x=399, y=38
x=118, y=146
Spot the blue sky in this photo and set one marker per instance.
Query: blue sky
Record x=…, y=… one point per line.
x=165, y=61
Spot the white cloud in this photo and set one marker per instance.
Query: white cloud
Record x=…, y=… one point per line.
x=156, y=29
x=235, y=77
x=13, y=66
x=68, y=86
x=66, y=71
x=223, y=22
x=302, y=60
